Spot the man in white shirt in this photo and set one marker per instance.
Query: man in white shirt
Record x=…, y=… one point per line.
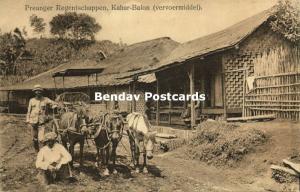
x=52, y=159
x=36, y=115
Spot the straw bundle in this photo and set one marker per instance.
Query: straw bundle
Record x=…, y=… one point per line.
x=277, y=61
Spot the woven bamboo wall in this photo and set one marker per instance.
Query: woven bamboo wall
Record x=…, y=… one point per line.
x=243, y=57
x=234, y=75
x=140, y=104
x=277, y=85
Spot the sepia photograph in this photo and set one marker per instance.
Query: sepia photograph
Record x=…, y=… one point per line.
x=150, y=96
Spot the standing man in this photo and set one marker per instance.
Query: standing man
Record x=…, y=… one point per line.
x=36, y=115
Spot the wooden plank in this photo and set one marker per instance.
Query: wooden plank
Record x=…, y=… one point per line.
x=258, y=117
x=274, y=101
x=294, y=166
x=270, y=109
x=285, y=170
x=271, y=105
x=166, y=135
x=212, y=111
x=275, y=86
x=270, y=94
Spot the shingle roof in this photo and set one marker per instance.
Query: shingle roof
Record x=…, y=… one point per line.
x=212, y=43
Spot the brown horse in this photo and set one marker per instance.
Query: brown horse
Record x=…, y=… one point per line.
x=141, y=139
x=107, y=137
x=73, y=130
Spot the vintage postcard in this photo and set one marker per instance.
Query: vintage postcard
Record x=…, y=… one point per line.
x=150, y=95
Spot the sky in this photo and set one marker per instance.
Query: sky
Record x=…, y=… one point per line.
x=136, y=26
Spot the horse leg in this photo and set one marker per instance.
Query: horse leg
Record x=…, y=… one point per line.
x=98, y=157
x=132, y=149
x=102, y=157
x=145, y=169
x=71, y=150
x=106, y=160
x=114, y=155
x=81, y=143
x=137, y=157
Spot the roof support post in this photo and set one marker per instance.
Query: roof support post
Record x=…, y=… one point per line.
x=55, y=88
x=157, y=102
x=63, y=82
x=170, y=106
x=191, y=74
x=88, y=85
x=134, y=92
x=223, y=88
x=129, y=107
x=8, y=101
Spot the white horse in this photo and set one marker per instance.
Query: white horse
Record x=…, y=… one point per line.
x=141, y=139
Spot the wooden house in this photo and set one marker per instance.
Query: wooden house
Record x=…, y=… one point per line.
x=244, y=70
x=235, y=70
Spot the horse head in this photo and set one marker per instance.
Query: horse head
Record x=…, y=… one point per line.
x=149, y=141
x=115, y=127
x=82, y=113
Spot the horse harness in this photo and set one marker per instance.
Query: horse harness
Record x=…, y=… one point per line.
x=104, y=125
x=135, y=122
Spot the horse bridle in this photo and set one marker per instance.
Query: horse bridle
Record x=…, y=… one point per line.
x=137, y=144
x=103, y=124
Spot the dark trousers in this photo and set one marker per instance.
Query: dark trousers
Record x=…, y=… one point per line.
x=50, y=177
x=37, y=132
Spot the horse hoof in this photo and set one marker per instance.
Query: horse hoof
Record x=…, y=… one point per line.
x=137, y=170
x=145, y=170
x=115, y=171
x=131, y=165
x=106, y=172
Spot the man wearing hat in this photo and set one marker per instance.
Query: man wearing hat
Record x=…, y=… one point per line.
x=52, y=159
x=36, y=115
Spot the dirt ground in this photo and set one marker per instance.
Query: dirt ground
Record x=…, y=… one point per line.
x=167, y=171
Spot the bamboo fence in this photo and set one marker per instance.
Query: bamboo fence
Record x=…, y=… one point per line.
x=277, y=85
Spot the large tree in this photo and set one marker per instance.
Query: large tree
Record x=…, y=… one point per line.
x=74, y=26
x=286, y=19
x=37, y=23
x=12, y=46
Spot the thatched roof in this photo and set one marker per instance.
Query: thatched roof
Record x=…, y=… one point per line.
x=138, y=56
x=216, y=42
